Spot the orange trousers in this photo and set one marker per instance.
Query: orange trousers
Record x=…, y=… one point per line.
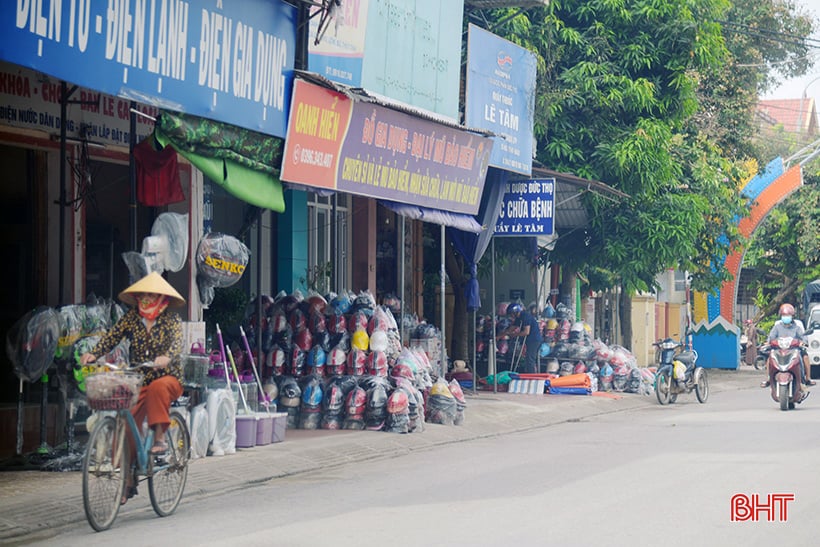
x=155, y=401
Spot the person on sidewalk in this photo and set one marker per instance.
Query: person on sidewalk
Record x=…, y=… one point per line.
x=155, y=335
x=786, y=326
x=526, y=326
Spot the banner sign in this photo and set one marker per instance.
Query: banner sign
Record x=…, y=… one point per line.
x=340, y=52
x=29, y=100
x=500, y=97
x=370, y=150
x=224, y=60
x=528, y=209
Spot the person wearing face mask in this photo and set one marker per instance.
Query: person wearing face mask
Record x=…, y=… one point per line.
x=787, y=326
x=155, y=335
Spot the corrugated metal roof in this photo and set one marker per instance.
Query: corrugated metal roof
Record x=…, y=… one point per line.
x=570, y=211
x=796, y=115
x=360, y=94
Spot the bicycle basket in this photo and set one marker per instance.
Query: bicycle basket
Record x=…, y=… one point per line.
x=113, y=390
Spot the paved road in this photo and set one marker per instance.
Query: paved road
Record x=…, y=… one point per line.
x=35, y=503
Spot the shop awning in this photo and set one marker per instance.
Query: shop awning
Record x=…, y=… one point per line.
x=435, y=216
x=244, y=163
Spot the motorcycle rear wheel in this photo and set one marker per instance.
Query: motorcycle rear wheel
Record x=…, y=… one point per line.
x=783, y=396
x=701, y=385
x=663, y=387
x=760, y=363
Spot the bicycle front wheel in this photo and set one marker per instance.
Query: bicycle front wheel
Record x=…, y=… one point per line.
x=104, y=472
x=167, y=479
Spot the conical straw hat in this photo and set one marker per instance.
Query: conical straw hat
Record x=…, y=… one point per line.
x=152, y=283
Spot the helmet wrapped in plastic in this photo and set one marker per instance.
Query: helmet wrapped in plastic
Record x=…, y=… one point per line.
x=356, y=361
x=379, y=341
x=290, y=394
x=276, y=361
x=340, y=303
x=303, y=339
x=377, y=363
x=220, y=262
x=514, y=308
x=297, y=361
x=336, y=323
x=357, y=321
x=317, y=323
x=360, y=340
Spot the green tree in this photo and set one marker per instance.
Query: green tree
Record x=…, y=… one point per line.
x=656, y=98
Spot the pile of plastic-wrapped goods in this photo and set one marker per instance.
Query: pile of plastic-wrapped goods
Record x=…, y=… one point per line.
x=574, y=362
x=569, y=350
x=337, y=362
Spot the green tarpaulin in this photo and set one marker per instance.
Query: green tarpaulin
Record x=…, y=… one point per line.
x=245, y=163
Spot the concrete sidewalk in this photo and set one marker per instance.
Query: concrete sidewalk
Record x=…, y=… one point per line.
x=36, y=501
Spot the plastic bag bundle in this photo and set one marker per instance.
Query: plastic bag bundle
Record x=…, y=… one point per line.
x=379, y=341
x=31, y=343
x=375, y=413
x=364, y=302
x=333, y=404
x=634, y=380
x=379, y=321
x=220, y=262
x=356, y=361
x=376, y=363
x=221, y=422
x=398, y=411
x=441, y=405
x=415, y=414
x=275, y=361
x=296, y=362
x=355, y=405
x=336, y=362
x=567, y=368
x=620, y=377
x=461, y=401
x=357, y=321
x=290, y=398
x=310, y=414
x=605, y=376
x=200, y=431
x=336, y=323
x=71, y=331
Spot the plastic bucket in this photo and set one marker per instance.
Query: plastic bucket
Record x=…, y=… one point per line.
x=246, y=430
x=264, y=429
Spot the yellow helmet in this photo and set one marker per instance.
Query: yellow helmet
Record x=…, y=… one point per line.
x=360, y=340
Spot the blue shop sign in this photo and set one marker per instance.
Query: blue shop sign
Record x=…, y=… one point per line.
x=224, y=60
x=528, y=208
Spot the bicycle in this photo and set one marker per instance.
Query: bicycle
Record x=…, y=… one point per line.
x=106, y=462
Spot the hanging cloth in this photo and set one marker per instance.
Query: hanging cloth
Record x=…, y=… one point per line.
x=158, y=181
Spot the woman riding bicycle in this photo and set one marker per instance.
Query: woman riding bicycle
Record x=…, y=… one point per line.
x=155, y=334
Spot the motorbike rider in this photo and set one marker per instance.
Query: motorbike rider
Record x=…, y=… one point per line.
x=786, y=326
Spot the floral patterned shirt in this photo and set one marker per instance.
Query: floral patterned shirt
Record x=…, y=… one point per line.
x=165, y=338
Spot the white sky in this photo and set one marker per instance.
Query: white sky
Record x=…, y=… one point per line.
x=810, y=83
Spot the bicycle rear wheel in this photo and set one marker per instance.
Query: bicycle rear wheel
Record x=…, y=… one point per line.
x=167, y=479
x=104, y=472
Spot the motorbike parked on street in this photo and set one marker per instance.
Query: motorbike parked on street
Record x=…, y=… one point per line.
x=785, y=376
x=678, y=373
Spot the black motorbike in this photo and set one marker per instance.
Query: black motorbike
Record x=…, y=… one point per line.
x=678, y=373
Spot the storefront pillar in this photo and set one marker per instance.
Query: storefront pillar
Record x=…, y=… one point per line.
x=292, y=240
x=363, y=248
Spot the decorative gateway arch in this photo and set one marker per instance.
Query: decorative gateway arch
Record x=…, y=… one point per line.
x=715, y=335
